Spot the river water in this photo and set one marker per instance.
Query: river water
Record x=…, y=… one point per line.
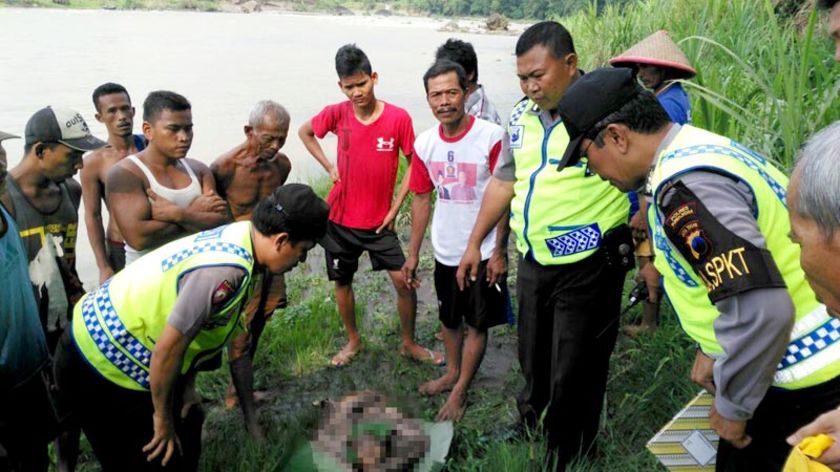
x=223, y=63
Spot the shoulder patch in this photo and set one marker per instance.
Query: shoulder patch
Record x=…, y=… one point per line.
x=222, y=293
x=726, y=263
x=517, y=112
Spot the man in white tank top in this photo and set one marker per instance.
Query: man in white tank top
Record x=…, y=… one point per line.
x=157, y=195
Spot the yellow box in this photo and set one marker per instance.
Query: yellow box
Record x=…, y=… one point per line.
x=688, y=443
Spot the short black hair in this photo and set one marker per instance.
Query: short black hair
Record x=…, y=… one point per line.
x=350, y=60
x=28, y=147
x=292, y=209
x=445, y=66
x=461, y=52
x=550, y=34
x=107, y=89
x=828, y=4
x=160, y=100
x=642, y=114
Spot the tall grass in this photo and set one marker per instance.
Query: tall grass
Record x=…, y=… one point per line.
x=764, y=79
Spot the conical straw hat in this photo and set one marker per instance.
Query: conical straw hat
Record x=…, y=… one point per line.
x=659, y=50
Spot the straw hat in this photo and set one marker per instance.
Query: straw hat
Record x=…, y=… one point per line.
x=658, y=50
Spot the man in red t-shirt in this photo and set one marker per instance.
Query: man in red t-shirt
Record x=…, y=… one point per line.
x=370, y=134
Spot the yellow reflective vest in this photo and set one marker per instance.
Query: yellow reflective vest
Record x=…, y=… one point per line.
x=557, y=217
x=813, y=355
x=116, y=325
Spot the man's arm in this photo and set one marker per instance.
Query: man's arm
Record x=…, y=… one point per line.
x=754, y=324
x=402, y=192
x=125, y=191
x=92, y=194
x=284, y=166
x=223, y=169
x=209, y=210
x=307, y=135
x=494, y=205
x=421, y=208
x=165, y=365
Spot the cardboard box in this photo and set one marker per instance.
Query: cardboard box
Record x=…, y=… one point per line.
x=688, y=442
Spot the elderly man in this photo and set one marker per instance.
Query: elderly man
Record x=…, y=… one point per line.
x=815, y=220
x=244, y=175
x=719, y=224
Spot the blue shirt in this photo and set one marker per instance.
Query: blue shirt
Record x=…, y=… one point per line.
x=675, y=102
x=23, y=348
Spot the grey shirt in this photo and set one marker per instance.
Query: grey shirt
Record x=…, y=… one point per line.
x=753, y=327
x=203, y=293
x=479, y=106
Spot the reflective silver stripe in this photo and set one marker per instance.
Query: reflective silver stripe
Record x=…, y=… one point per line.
x=814, y=345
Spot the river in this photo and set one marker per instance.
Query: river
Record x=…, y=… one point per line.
x=223, y=63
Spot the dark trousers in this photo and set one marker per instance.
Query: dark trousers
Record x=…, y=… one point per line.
x=28, y=421
x=567, y=331
x=118, y=421
x=779, y=415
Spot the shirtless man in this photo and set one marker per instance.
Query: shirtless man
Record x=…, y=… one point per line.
x=160, y=194
x=114, y=110
x=245, y=175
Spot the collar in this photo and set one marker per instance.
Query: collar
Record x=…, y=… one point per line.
x=647, y=189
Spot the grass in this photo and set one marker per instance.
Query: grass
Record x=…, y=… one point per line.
x=764, y=78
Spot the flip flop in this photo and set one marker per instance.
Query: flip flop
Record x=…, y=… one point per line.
x=441, y=361
x=343, y=358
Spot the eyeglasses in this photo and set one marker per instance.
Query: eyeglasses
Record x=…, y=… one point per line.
x=591, y=136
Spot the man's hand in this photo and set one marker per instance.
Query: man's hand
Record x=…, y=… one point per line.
x=209, y=202
x=496, y=268
x=105, y=273
x=163, y=209
x=732, y=431
x=389, y=220
x=164, y=439
x=468, y=268
x=703, y=371
x=409, y=270
x=638, y=224
x=827, y=423
x=650, y=275
x=334, y=174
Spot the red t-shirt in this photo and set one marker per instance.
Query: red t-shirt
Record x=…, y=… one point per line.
x=368, y=158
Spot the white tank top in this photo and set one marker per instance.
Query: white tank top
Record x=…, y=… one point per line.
x=181, y=197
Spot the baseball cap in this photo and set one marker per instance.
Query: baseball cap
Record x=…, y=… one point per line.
x=589, y=100
x=61, y=125
x=305, y=212
x=4, y=136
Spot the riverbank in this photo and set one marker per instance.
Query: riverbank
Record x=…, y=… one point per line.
x=385, y=14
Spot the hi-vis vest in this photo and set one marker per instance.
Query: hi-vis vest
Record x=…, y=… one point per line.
x=558, y=217
x=813, y=355
x=116, y=325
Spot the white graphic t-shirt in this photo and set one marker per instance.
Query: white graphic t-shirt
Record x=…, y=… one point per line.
x=458, y=169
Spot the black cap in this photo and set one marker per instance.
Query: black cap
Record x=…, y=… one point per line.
x=589, y=100
x=61, y=125
x=293, y=209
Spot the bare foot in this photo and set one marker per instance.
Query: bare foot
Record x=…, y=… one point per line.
x=422, y=354
x=439, y=385
x=347, y=353
x=453, y=409
x=231, y=400
x=636, y=330
x=439, y=335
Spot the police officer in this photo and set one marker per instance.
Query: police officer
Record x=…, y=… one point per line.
x=719, y=222
x=567, y=293
x=126, y=367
